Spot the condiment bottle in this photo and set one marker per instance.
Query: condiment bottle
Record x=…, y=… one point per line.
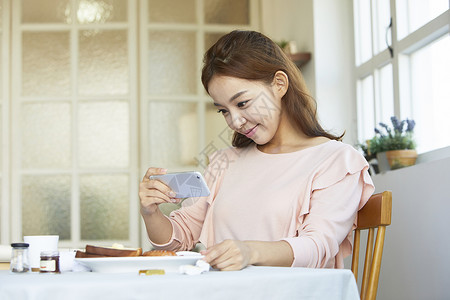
x=49, y=262
x=19, y=258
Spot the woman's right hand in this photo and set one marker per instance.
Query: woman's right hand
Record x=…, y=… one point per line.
x=153, y=192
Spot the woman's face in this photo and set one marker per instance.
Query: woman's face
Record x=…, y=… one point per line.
x=251, y=108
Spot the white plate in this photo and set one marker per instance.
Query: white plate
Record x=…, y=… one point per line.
x=169, y=264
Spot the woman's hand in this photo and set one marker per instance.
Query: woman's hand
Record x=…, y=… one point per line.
x=230, y=255
x=154, y=192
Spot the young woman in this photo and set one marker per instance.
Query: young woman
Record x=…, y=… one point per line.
x=287, y=193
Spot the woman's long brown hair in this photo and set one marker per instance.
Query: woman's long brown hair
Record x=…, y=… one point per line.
x=253, y=56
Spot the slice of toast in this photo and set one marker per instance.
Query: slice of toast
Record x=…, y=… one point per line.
x=97, y=251
x=82, y=254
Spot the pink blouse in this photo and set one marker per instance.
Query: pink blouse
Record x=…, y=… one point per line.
x=309, y=198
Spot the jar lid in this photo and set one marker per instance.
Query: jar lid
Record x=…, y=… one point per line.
x=20, y=245
x=50, y=253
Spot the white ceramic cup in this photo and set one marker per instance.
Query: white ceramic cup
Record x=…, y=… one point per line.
x=39, y=243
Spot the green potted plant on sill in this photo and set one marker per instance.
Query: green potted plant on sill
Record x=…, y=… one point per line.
x=396, y=144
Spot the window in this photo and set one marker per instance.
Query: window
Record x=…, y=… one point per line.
x=430, y=93
x=402, y=67
x=413, y=14
x=99, y=90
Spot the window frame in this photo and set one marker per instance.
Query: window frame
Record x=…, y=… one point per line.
x=423, y=36
x=5, y=121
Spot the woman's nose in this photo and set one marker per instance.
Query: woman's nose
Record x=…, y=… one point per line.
x=238, y=121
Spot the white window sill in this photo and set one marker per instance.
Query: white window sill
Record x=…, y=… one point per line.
x=433, y=155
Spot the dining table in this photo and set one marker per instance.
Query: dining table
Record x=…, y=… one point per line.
x=253, y=282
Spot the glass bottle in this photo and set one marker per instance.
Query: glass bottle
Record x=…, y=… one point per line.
x=19, y=258
x=50, y=262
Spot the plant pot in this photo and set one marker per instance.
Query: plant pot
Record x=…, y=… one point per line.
x=383, y=163
x=401, y=158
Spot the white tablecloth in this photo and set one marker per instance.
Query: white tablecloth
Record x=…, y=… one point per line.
x=251, y=283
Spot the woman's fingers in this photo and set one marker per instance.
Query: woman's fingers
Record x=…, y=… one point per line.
x=153, y=171
x=226, y=265
x=228, y=255
x=148, y=191
x=155, y=184
x=216, y=254
x=153, y=192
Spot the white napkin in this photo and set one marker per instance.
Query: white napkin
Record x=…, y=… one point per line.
x=200, y=267
x=5, y=253
x=66, y=260
x=78, y=267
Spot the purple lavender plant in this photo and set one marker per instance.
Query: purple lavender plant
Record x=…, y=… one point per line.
x=395, y=138
x=398, y=126
x=411, y=125
x=385, y=127
x=377, y=131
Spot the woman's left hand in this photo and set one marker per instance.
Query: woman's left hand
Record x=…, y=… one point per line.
x=229, y=255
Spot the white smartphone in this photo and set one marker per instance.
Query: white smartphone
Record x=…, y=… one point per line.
x=185, y=184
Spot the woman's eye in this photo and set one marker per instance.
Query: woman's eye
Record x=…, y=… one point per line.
x=221, y=111
x=242, y=104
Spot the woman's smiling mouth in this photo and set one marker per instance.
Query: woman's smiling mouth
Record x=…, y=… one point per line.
x=249, y=133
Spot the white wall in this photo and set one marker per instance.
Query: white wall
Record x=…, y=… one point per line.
x=291, y=20
x=416, y=259
x=334, y=61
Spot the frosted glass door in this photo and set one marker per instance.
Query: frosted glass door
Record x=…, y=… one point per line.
x=92, y=93
x=74, y=172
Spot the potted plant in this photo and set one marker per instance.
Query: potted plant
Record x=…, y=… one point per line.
x=396, y=144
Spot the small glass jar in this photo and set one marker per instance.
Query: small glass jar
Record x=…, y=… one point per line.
x=49, y=262
x=19, y=258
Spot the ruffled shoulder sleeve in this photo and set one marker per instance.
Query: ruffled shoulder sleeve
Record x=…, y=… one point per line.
x=340, y=185
x=344, y=160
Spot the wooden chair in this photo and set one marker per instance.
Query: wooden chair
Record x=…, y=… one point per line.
x=376, y=213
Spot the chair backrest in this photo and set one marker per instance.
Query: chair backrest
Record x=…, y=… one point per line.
x=376, y=213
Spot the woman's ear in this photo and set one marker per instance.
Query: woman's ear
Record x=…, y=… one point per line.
x=280, y=83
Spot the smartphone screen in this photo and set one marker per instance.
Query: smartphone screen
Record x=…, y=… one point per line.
x=185, y=184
